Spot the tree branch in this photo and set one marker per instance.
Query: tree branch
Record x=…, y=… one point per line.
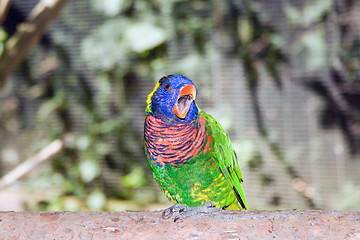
x=45, y=154
x=27, y=35
x=4, y=7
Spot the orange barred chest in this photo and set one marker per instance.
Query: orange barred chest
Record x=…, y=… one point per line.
x=173, y=145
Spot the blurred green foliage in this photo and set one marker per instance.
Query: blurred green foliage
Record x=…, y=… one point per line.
x=129, y=45
x=3, y=38
x=132, y=44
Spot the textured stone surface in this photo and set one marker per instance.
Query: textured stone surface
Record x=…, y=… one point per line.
x=285, y=224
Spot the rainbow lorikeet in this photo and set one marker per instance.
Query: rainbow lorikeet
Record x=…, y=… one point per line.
x=189, y=152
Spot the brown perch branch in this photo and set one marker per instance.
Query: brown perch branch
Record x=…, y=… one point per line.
x=286, y=224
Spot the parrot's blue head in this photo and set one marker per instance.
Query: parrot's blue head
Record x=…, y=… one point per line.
x=173, y=100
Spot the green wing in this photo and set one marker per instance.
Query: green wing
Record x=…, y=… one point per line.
x=226, y=158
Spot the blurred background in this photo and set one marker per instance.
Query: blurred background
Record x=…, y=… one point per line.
x=282, y=77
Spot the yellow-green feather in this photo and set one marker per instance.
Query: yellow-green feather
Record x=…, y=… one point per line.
x=225, y=156
x=148, y=100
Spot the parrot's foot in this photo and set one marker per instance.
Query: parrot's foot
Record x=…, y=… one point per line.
x=188, y=211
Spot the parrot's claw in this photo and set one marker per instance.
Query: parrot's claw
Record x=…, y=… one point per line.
x=188, y=211
x=167, y=213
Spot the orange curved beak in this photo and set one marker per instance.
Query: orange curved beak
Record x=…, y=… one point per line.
x=187, y=95
x=189, y=90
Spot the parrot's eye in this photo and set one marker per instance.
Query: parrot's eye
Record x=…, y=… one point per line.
x=167, y=86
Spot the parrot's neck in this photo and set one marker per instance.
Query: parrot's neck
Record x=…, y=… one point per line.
x=173, y=144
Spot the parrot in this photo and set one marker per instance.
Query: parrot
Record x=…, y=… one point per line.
x=190, y=154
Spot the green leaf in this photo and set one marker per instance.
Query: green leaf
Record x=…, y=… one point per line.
x=311, y=13
x=144, y=36
x=83, y=142
x=246, y=30
x=104, y=49
x=189, y=64
x=292, y=14
x=110, y=8
x=3, y=35
x=315, y=10
x=89, y=170
x=96, y=200
x=134, y=179
x=102, y=148
x=3, y=38
x=245, y=150
x=109, y=126
x=50, y=106
x=314, y=45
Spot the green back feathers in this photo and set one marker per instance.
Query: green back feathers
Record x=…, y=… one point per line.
x=225, y=158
